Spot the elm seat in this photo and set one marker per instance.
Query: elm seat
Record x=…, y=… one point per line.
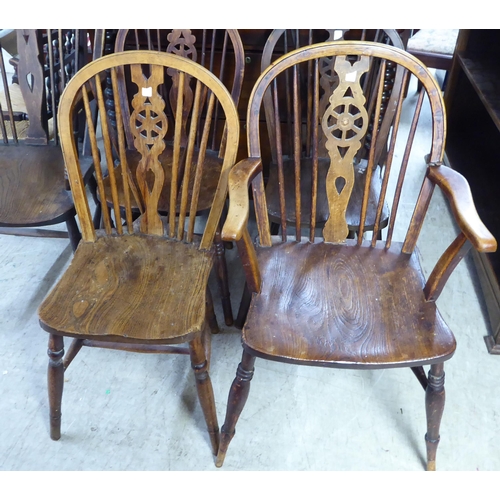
x=346, y=306
x=128, y=287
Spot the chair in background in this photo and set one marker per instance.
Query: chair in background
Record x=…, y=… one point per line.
x=221, y=52
x=141, y=285
x=33, y=188
x=297, y=150
x=435, y=48
x=348, y=303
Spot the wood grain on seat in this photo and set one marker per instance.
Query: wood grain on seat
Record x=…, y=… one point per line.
x=344, y=306
x=131, y=288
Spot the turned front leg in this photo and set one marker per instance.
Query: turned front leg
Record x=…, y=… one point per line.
x=434, y=405
x=199, y=364
x=55, y=379
x=238, y=396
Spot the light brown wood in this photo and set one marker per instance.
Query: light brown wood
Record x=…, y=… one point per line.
x=130, y=288
x=341, y=145
x=143, y=285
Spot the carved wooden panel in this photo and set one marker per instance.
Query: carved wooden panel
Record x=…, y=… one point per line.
x=31, y=82
x=149, y=124
x=344, y=124
x=181, y=44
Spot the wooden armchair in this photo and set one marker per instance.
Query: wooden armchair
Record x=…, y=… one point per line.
x=325, y=300
x=141, y=285
x=33, y=188
x=221, y=52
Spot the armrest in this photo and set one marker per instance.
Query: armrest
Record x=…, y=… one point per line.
x=456, y=188
x=240, y=177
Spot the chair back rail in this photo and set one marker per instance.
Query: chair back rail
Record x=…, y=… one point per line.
x=344, y=125
x=219, y=51
x=152, y=125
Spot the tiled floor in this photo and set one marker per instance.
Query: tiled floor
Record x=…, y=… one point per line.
x=124, y=411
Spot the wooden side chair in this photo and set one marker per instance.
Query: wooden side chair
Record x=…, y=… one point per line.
x=141, y=285
x=348, y=303
x=33, y=188
x=297, y=146
x=221, y=52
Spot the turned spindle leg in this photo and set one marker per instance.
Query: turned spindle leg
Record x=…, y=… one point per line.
x=434, y=405
x=199, y=364
x=238, y=395
x=55, y=379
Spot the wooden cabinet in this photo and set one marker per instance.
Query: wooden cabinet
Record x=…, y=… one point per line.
x=473, y=147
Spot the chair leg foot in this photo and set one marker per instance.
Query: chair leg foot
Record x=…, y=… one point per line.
x=434, y=405
x=205, y=391
x=55, y=379
x=238, y=396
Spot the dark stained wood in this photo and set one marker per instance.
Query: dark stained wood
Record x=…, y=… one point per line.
x=139, y=287
x=33, y=188
x=359, y=304
x=472, y=96
x=434, y=406
x=355, y=318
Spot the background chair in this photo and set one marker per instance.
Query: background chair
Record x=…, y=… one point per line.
x=297, y=148
x=33, y=188
x=349, y=303
x=221, y=52
x=141, y=285
x=435, y=48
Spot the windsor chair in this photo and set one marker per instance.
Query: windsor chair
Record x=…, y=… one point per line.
x=34, y=191
x=325, y=300
x=141, y=285
x=221, y=52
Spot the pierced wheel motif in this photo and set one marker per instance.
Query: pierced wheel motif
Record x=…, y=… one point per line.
x=344, y=123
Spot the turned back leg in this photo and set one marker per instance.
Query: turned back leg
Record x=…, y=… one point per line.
x=55, y=379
